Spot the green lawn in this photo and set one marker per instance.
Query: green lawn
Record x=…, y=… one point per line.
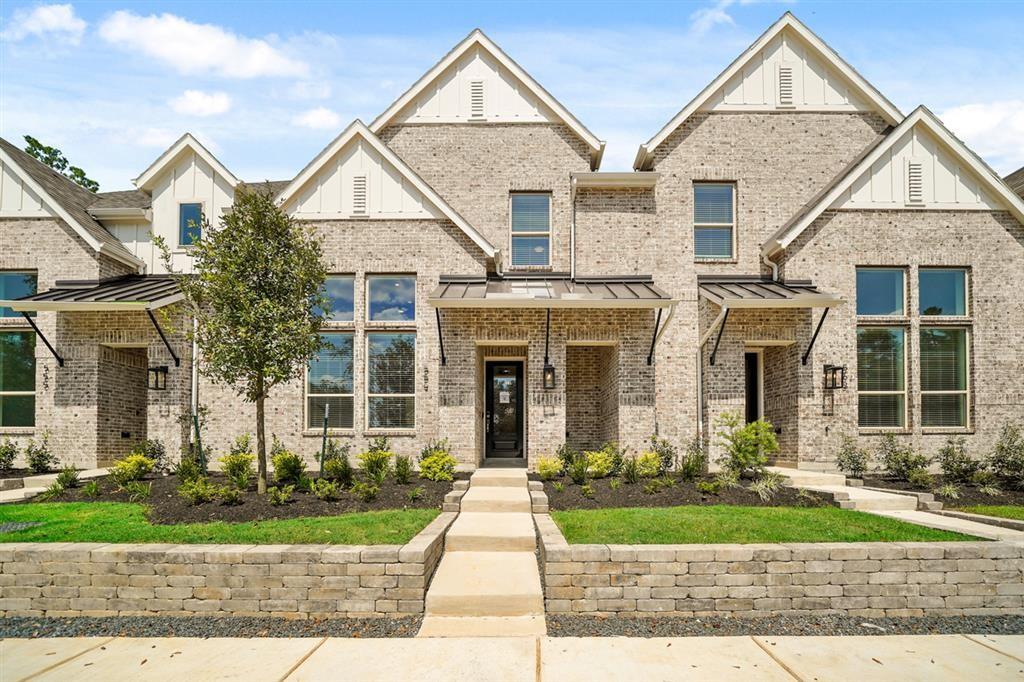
x=1006, y=511
x=122, y=522
x=728, y=524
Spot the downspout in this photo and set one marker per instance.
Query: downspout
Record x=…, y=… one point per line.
x=700, y=369
x=572, y=229
x=771, y=264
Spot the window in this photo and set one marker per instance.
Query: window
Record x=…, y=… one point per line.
x=881, y=379
x=943, y=377
x=391, y=299
x=329, y=383
x=531, y=229
x=714, y=216
x=391, y=380
x=942, y=291
x=15, y=285
x=340, y=291
x=880, y=291
x=190, y=223
x=17, y=379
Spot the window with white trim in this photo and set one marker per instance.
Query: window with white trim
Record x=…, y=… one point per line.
x=190, y=223
x=329, y=385
x=531, y=229
x=391, y=380
x=16, y=285
x=944, y=377
x=17, y=378
x=881, y=377
x=714, y=220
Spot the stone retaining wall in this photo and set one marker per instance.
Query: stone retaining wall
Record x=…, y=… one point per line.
x=867, y=579
x=291, y=581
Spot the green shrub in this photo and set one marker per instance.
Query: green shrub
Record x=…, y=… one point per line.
x=709, y=487
x=197, y=491
x=631, y=470
x=899, y=460
x=130, y=468
x=38, y=456
x=852, y=459
x=276, y=446
x=747, y=446
x=238, y=467
x=920, y=478
x=52, y=492
x=278, y=496
x=666, y=453
x=614, y=484
x=648, y=464
x=229, y=495
x=599, y=463
x=365, y=492
x=415, y=494
x=403, y=469
x=694, y=460
x=242, y=444
x=617, y=454
x=288, y=467
x=950, y=491
x=138, y=491
x=986, y=482
x=559, y=487
x=587, y=491
x=324, y=490
x=727, y=478
x=188, y=468
x=434, y=447
x=439, y=466
x=68, y=477
x=91, y=490
x=957, y=466
x=767, y=485
x=8, y=452
x=155, y=450
x=549, y=468
x=578, y=470
x=656, y=485
x=567, y=454
x=339, y=470
x=304, y=484
x=375, y=464
x=1007, y=457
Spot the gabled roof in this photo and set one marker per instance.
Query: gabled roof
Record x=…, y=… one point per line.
x=68, y=200
x=886, y=108
x=477, y=38
x=358, y=129
x=1016, y=181
x=186, y=141
x=126, y=198
x=920, y=116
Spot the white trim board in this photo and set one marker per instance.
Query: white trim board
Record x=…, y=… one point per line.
x=186, y=141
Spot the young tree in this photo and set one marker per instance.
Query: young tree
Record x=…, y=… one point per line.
x=56, y=160
x=257, y=292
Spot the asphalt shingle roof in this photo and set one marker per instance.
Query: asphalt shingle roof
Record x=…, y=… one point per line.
x=127, y=198
x=1016, y=181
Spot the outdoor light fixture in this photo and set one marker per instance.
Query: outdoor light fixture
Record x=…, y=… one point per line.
x=835, y=376
x=549, y=369
x=158, y=378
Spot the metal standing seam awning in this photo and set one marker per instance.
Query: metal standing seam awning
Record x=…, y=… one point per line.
x=128, y=293
x=554, y=290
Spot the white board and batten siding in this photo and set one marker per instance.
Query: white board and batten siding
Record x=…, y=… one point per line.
x=17, y=200
x=476, y=88
x=787, y=74
x=918, y=172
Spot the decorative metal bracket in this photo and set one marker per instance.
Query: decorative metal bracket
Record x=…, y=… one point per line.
x=718, y=339
x=807, y=353
x=654, y=338
x=60, y=360
x=152, y=318
x=440, y=336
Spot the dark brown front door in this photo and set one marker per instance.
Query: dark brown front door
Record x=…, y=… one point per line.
x=504, y=409
x=752, y=373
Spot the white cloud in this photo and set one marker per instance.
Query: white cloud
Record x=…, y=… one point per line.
x=199, y=103
x=706, y=18
x=191, y=48
x=995, y=130
x=318, y=118
x=57, y=20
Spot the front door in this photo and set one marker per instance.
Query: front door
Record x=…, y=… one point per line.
x=752, y=372
x=504, y=418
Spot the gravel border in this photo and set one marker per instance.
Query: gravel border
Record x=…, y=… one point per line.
x=778, y=626
x=174, y=626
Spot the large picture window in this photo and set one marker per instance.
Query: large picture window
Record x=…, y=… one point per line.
x=881, y=377
x=329, y=383
x=943, y=377
x=391, y=380
x=340, y=291
x=391, y=298
x=531, y=229
x=714, y=219
x=17, y=378
x=880, y=291
x=15, y=285
x=942, y=291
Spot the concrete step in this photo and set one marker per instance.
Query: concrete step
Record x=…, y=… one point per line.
x=487, y=532
x=957, y=525
x=19, y=494
x=483, y=626
x=862, y=499
x=515, y=478
x=486, y=584
x=494, y=499
x=801, y=478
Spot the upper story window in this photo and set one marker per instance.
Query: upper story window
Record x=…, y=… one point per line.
x=16, y=285
x=942, y=291
x=880, y=291
x=190, y=223
x=391, y=298
x=340, y=290
x=531, y=229
x=714, y=220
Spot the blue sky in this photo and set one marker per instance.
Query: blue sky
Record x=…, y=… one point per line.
x=267, y=84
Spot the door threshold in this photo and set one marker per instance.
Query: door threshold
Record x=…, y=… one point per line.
x=504, y=463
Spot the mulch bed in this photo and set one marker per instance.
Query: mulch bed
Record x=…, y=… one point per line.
x=166, y=506
x=683, y=493
x=969, y=494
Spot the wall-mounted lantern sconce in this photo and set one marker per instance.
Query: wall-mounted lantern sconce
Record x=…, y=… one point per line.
x=549, y=376
x=158, y=378
x=835, y=376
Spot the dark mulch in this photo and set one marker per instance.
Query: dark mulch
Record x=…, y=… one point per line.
x=19, y=473
x=167, y=506
x=683, y=493
x=969, y=494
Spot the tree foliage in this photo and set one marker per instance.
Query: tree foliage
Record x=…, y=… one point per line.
x=56, y=160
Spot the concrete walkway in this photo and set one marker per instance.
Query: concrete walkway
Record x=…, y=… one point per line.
x=526, y=659
x=33, y=485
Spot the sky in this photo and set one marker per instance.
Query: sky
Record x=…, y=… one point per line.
x=266, y=85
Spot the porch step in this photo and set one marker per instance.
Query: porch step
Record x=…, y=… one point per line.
x=862, y=499
x=486, y=584
x=487, y=532
x=801, y=478
x=497, y=478
x=483, y=626
x=494, y=499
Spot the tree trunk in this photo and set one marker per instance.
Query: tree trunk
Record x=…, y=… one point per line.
x=261, y=442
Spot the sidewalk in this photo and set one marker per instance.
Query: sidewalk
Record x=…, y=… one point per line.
x=526, y=659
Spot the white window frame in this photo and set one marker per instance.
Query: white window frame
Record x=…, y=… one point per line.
x=731, y=225
x=903, y=294
x=967, y=290
x=390, y=324
x=10, y=329
x=966, y=392
x=513, y=235
x=391, y=331
x=905, y=426
x=306, y=411
x=202, y=214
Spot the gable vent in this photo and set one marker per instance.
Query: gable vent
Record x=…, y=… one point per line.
x=785, y=73
x=915, y=182
x=359, y=194
x=476, y=99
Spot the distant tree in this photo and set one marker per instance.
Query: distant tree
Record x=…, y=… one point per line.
x=56, y=160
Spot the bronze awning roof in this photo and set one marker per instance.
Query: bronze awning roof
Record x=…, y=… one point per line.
x=760, y=292
x=553, y=290
x=132, y=292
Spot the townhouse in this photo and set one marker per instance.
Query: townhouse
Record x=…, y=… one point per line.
x=790, y=246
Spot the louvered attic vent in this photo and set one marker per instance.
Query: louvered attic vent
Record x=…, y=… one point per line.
x=785, y=85
x=359, y=194
x=476, y=99
x=915, y=182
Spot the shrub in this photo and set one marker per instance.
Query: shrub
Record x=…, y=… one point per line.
x=8, y=451
x=709, y=487
x=656, y=485
x=415, y=494
x=587, y=491
x=747, y=446
x=614, y=484
x=767, y=485
x=648, y=464
x=68, y=476
x=920, y=478
x=339, y=470
x=242, y=444
x=986, y=483
x=155, y=450
x=238, y=467
x=899, y=460
x=567, y=454
x=38, y=456
x=403, y=469
x=549, y=468
x=130, y=468
x=197, y=491
x=91, y=490
x=599, y=463
x=188, y=468
x=559, y=487
x=578, y=470
x=950, y=491
x=851, y=459
x=694, y=461
x=434, y=447
x=617, y=454
x=375, y=463
x=727, y=478
x=439, y=466
x=324, y=490
x=280, y=495
x=229, y=495
x=1007, y=457
x=138, y=491
x=631, y=470
x=54, y=491
x=304, y=484
x=957, y=466
x=288, y=467
x=365, y=492
x=666, y=453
